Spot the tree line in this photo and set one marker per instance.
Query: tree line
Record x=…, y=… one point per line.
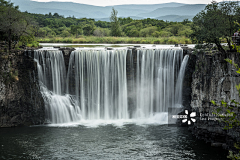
x=51, y=25
x=215, y=23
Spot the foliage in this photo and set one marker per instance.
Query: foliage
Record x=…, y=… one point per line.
x=147, y=32
x=14, y=25
x=52, y=26
x=107, y=39
x=234, y=156
x=236, y=47
x=175, y=28
x=226, y=113
x=55, y=25
x=76, y=29
x=115, y=26
x=215, y=22
x=88, y=29
x=100, y=32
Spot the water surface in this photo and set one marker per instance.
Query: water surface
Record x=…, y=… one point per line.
x=129, y=141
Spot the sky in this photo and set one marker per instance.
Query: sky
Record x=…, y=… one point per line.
x=118, y=2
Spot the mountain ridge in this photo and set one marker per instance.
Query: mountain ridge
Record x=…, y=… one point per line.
x=140, y=11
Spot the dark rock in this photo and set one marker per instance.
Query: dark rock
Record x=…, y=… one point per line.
x=226, y=85
x=213, y=79
x=21, y=102
x=137, y=46
x=109, y=48
x=184, y=47
x=216, y=144
x=15, y=119
x=67, y=51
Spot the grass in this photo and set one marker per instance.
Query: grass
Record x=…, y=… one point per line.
x=117, y=40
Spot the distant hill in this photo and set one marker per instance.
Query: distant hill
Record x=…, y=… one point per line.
x=190, y=9
x=77, y=9
x=59, y=11
x=103, y=13
x=147, y=7
x=174, y=18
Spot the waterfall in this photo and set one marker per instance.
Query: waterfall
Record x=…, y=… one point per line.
x=156, y=72
x=60, y=107
x=98, y=80
x=178, y=94
x=98, y=85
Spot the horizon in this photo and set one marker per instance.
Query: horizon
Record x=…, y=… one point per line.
x=128, y=2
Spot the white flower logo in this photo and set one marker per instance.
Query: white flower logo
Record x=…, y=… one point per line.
x=193, y=114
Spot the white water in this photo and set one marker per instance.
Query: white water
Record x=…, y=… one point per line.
x=178, y=91
x=156, y=72
x=98, y=80
x=60, y=107
x=94, y=90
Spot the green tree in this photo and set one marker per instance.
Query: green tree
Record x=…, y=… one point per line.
x=231, y=13
x=123, y=21
x=214, y=23
x=156, y=34
x=165, y=33
x=175, y=28
x=42, y=32
x=132, y=29
x=76, y=30
x=14, y=24
x=146, y=32
x=101, y=32
x=185, y=31
x=185, y=21
x=65, y=33
x=88, y=29
x=115, y=26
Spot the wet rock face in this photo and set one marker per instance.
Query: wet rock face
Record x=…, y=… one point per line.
x=214, y=79
x=21, y=102
x=187, y=82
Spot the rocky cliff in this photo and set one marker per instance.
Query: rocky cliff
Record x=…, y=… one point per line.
x=21, y=102
x=213, y=79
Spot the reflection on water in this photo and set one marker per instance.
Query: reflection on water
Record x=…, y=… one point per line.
x=104, y=142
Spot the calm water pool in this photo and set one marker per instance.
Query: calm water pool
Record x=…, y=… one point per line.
x=129, y=141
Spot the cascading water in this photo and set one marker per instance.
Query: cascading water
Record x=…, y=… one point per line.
x=96, y=86
x=98, y=80
x=156, y=72
x=60, y=107
x=178, y=91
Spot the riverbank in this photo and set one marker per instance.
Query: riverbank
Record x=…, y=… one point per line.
x=117, y=40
